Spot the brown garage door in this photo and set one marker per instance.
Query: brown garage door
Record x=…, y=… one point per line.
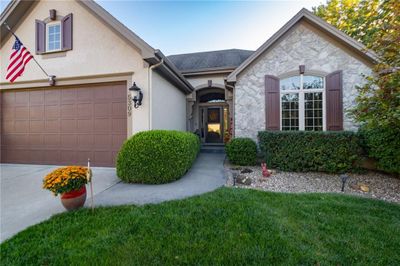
x=64, y=125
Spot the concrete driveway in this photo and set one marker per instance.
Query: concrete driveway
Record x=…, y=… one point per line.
x=23, y=202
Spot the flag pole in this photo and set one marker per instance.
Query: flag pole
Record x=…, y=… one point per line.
x=51, y=78
x=91, y=185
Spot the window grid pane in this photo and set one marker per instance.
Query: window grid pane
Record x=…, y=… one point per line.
x=54, y=36
x=313, y=111
x=290, y=111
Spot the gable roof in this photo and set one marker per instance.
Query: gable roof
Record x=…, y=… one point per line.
x=16, y=9
x=319, y=23
x=212, y=60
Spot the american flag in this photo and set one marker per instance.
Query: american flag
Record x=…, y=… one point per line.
x=19, y=57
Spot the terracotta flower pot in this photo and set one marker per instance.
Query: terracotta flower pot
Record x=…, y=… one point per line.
x=74, y=199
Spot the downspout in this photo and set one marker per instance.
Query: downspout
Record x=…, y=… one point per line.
x=150, y=86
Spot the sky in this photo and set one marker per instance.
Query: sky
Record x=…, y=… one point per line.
x=177, y=27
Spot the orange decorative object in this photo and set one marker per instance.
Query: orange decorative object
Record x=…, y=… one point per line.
x=74, y=199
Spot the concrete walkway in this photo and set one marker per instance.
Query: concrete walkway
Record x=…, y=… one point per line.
x=23, y=202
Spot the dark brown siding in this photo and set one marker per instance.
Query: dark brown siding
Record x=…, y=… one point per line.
x=66, y=32
x=334, y=101
x=64, y=126
x=40, y=36
x=272, y=103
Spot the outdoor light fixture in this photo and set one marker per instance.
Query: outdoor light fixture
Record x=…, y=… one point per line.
x=137, y=99
x=344, y=178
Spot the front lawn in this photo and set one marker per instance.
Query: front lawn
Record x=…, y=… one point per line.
x=228, y=226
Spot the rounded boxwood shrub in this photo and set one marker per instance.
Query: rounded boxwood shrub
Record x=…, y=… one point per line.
x=157, y=156
x=242, y=151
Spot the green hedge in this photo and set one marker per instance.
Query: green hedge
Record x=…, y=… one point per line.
x=157, y=156
x=383, y=144
x=332, y=152
x=241, y=151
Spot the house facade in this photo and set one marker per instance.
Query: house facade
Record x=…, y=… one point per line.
x=303, y=78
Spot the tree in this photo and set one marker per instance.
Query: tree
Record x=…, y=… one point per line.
x=375, y=23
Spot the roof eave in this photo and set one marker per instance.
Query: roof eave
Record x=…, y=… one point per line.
x=304, y=13
x=170, y=72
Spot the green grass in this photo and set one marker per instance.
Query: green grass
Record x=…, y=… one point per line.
x=228, y=226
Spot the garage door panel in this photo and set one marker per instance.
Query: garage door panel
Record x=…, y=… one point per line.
x=36, y=112
x=68, y=125
x=36, y=126
x=118, y=140
x=64, y=125
x=84, y=110
x=119, y=109
x=68, y=95
x=51, y=140
x=52, y=126
x=51, y=157
x=8, y=99
x=69, y=141
x=103, y=141
x=51, y=111
x=84, y=126
x=20, y=112
x=68, y=110
x=102, y=125
x=119, y=125
x=21, y=126
x=21, y=98
x=83, y=156
x=36, y=156
x=36, y=97
x=8, y=113
x=102, y=157
x=85, y=141
x=85, y=95
x=102, y=110
x=52, y=97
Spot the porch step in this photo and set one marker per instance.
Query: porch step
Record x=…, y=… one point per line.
x=212, y=148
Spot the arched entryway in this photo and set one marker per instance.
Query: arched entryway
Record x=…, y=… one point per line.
x=213, y=115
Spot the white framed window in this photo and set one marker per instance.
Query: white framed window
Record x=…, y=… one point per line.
x=53, y=36
x=302, y=103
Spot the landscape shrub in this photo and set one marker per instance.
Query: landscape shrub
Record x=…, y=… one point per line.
x=241, y=151
x=157, y=156
x=383, y=144
x=332, y=152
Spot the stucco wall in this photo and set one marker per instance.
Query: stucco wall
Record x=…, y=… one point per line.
x=168, y=105
x=96, y=48
x=303, y=45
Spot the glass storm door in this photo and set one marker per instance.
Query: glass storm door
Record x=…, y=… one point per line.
x=214, y=127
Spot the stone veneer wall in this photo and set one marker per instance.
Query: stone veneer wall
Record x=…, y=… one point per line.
x=301, y=46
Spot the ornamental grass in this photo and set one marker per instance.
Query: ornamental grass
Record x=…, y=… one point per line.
x=66, y=179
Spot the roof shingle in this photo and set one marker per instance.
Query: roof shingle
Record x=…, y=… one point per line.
x=209, y=60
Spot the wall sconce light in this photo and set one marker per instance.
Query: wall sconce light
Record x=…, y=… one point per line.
x=137, y=99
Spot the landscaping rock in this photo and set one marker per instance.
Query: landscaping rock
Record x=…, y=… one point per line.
x=246, y=171
x=370, y=184
x=244, y=180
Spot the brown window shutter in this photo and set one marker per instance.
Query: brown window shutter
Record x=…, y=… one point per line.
x=40, y=33
x=272, y=108
x=66, y=32
x=334, y=101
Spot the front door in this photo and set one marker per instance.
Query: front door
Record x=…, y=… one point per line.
x=212, y=124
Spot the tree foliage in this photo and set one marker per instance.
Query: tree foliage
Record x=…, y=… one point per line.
x=375, y=23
